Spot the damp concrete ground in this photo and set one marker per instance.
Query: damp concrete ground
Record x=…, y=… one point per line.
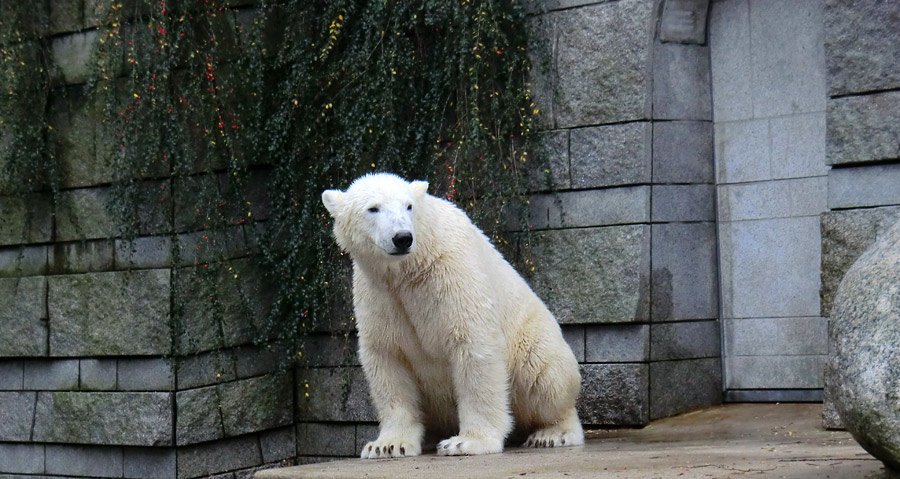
x=732, y=441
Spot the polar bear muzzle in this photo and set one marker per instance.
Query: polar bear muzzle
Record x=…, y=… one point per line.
x=403, y=240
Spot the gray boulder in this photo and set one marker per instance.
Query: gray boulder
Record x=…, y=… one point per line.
x=865, y=338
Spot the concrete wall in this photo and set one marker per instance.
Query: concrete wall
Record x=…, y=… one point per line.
x=769, y=102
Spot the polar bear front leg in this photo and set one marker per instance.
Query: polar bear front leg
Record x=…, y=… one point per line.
x=396, y=397
x=479, y=380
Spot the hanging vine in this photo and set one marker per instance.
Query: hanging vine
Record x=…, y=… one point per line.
x=219, y=124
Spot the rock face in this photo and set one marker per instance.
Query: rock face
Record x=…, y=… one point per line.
x=865, y=340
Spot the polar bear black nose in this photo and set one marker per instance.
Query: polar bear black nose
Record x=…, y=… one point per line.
x=402, y=240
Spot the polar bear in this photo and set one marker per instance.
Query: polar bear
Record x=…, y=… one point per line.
x=451, y=339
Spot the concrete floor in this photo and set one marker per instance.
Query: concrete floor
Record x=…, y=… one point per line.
x=738, y=440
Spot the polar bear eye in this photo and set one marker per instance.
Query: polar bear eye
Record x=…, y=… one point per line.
x=373, y=209
x=408, y=207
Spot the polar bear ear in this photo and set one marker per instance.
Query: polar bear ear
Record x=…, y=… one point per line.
x=419, y=188
x=333, y=200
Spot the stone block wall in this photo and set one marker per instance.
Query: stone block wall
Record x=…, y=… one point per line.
x=99, y=375
x=863, y=137
x=622, y=224
x=769, y=106
x=680, y=180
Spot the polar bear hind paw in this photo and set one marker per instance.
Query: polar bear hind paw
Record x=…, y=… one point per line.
x=468, y=446
x=554, y=436
x=390, y=447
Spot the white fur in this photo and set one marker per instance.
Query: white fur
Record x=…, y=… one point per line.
x=451, y=339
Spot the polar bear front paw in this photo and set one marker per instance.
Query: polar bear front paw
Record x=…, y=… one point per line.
x=555, y=436
x=390, y=447
x=468, y=446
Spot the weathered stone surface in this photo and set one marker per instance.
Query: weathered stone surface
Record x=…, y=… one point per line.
x=155, y=374
x=279, y=444
x=196, y=200
x=119, y=313
x=861, y=38
x=78, y=122
x=845, y=236
x=774, y=336
x=91, y=213
x=593, y=275
x=258, y=360
x=685, y=340
x=205, y=369
x=21, y=458
x=617, y=343
x=574, y=335
x=830, y=417
x=16, y=415
x=684, y=272
x=683, y=203
x=549, y=170
x=684, y=21
x=202, y=247
x=91, y=461
x=773, y=199
x=774, y=372
x=863, y=128
x=788, y=55
x=863, y=186
x=22, y=317
x=607, y=206
x=23, y=261
x=24, y=220
x=681, y=81
x=614, y=395
x=798, y=146
x=729, y=39
x=322, y=439
x=144, y=252
x=683, y=152
x=330, y=350
x=85, y=214
x=80, y=257
x=864, y=365
x=144, y=463
x=256, y=404
x=12, y=375
x=65, y=16
x=770, y=268
x=97, y=374
x=113, y=418
x=246, y=196
x=197, y=416
x=71, y=54
x=365, y=433
x=333, y=394
x=742, y=151
x=224, y=305
x=600, y=77
x=680, y=386
x=611, y=155
x=51, y=375
x=219, y=456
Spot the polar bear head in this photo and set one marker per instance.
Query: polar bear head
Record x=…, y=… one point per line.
x=376, y=216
